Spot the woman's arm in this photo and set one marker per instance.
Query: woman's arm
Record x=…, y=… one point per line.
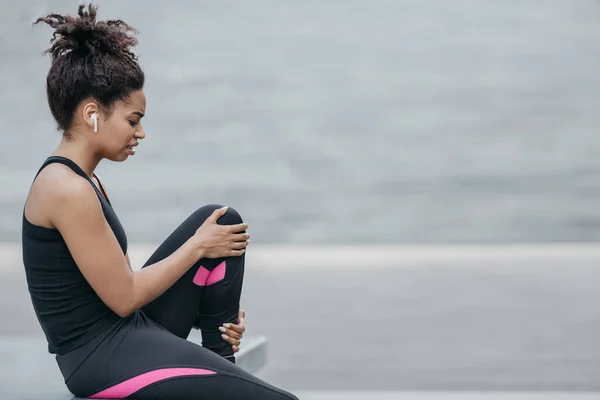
x=103, y=190
x=78, y=215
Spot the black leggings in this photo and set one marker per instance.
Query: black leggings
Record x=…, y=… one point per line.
x=147, y=356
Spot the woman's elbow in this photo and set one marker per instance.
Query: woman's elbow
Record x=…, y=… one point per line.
x=123, y=312
x=125, y=301
x=124, y=307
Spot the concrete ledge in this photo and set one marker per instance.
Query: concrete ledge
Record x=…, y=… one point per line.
x=29, y=372
x=253, y=355
x=269, y=256
x=446, y=396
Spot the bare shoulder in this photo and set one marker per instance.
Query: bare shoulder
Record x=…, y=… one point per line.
x=55, y=191
x=69, y=203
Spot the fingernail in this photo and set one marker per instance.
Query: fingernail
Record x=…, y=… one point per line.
x=224, y=337
x=224, y=208
x=227, y=325
x=222, y=329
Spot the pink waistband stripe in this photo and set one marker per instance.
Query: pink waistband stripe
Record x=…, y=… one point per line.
x=130, y=386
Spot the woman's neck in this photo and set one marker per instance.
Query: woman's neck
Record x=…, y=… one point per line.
x=79, y=152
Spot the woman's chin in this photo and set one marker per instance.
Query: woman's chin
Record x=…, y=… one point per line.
x=119, y=157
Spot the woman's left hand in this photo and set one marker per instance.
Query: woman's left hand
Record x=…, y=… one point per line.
x=233, y=333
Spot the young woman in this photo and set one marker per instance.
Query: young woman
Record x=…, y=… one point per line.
x=119, y=332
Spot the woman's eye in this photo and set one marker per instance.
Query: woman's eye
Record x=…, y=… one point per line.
x=133, y=123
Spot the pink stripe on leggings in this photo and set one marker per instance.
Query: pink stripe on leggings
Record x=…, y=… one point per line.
x=205, y=277
x=130, y=386
x=217, y=274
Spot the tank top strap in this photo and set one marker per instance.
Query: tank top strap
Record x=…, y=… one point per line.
x=76, y=168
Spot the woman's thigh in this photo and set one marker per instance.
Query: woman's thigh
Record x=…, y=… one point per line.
x=141, y=360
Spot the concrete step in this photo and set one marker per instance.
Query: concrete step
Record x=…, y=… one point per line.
x=333, y=395
x=29, y=372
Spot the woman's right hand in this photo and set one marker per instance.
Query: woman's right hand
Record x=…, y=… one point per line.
x=216, y=241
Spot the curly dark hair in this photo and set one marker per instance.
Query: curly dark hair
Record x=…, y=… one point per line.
x=89, y=60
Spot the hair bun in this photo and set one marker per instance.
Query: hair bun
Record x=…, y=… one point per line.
x=84, y=35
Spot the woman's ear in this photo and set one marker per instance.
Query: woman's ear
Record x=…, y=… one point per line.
x=91, y=115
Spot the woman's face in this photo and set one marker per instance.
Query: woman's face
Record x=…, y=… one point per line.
x=118, y=134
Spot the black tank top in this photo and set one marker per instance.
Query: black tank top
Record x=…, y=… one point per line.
x=67, y=308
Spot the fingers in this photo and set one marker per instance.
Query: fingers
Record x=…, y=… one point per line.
x=239, y=245
x=218, y=213
x=236, y=228
x=240, y=241
x=231, y=334
x=240, y=237
x=234, y=253
x=233, y=330
x=231, y=341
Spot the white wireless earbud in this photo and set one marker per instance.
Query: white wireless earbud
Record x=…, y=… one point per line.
x=95, y=118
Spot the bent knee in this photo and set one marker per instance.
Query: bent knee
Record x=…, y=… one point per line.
x=231, y=217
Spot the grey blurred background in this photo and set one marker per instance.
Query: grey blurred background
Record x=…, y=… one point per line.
x=360, y=123
x=340, y=121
